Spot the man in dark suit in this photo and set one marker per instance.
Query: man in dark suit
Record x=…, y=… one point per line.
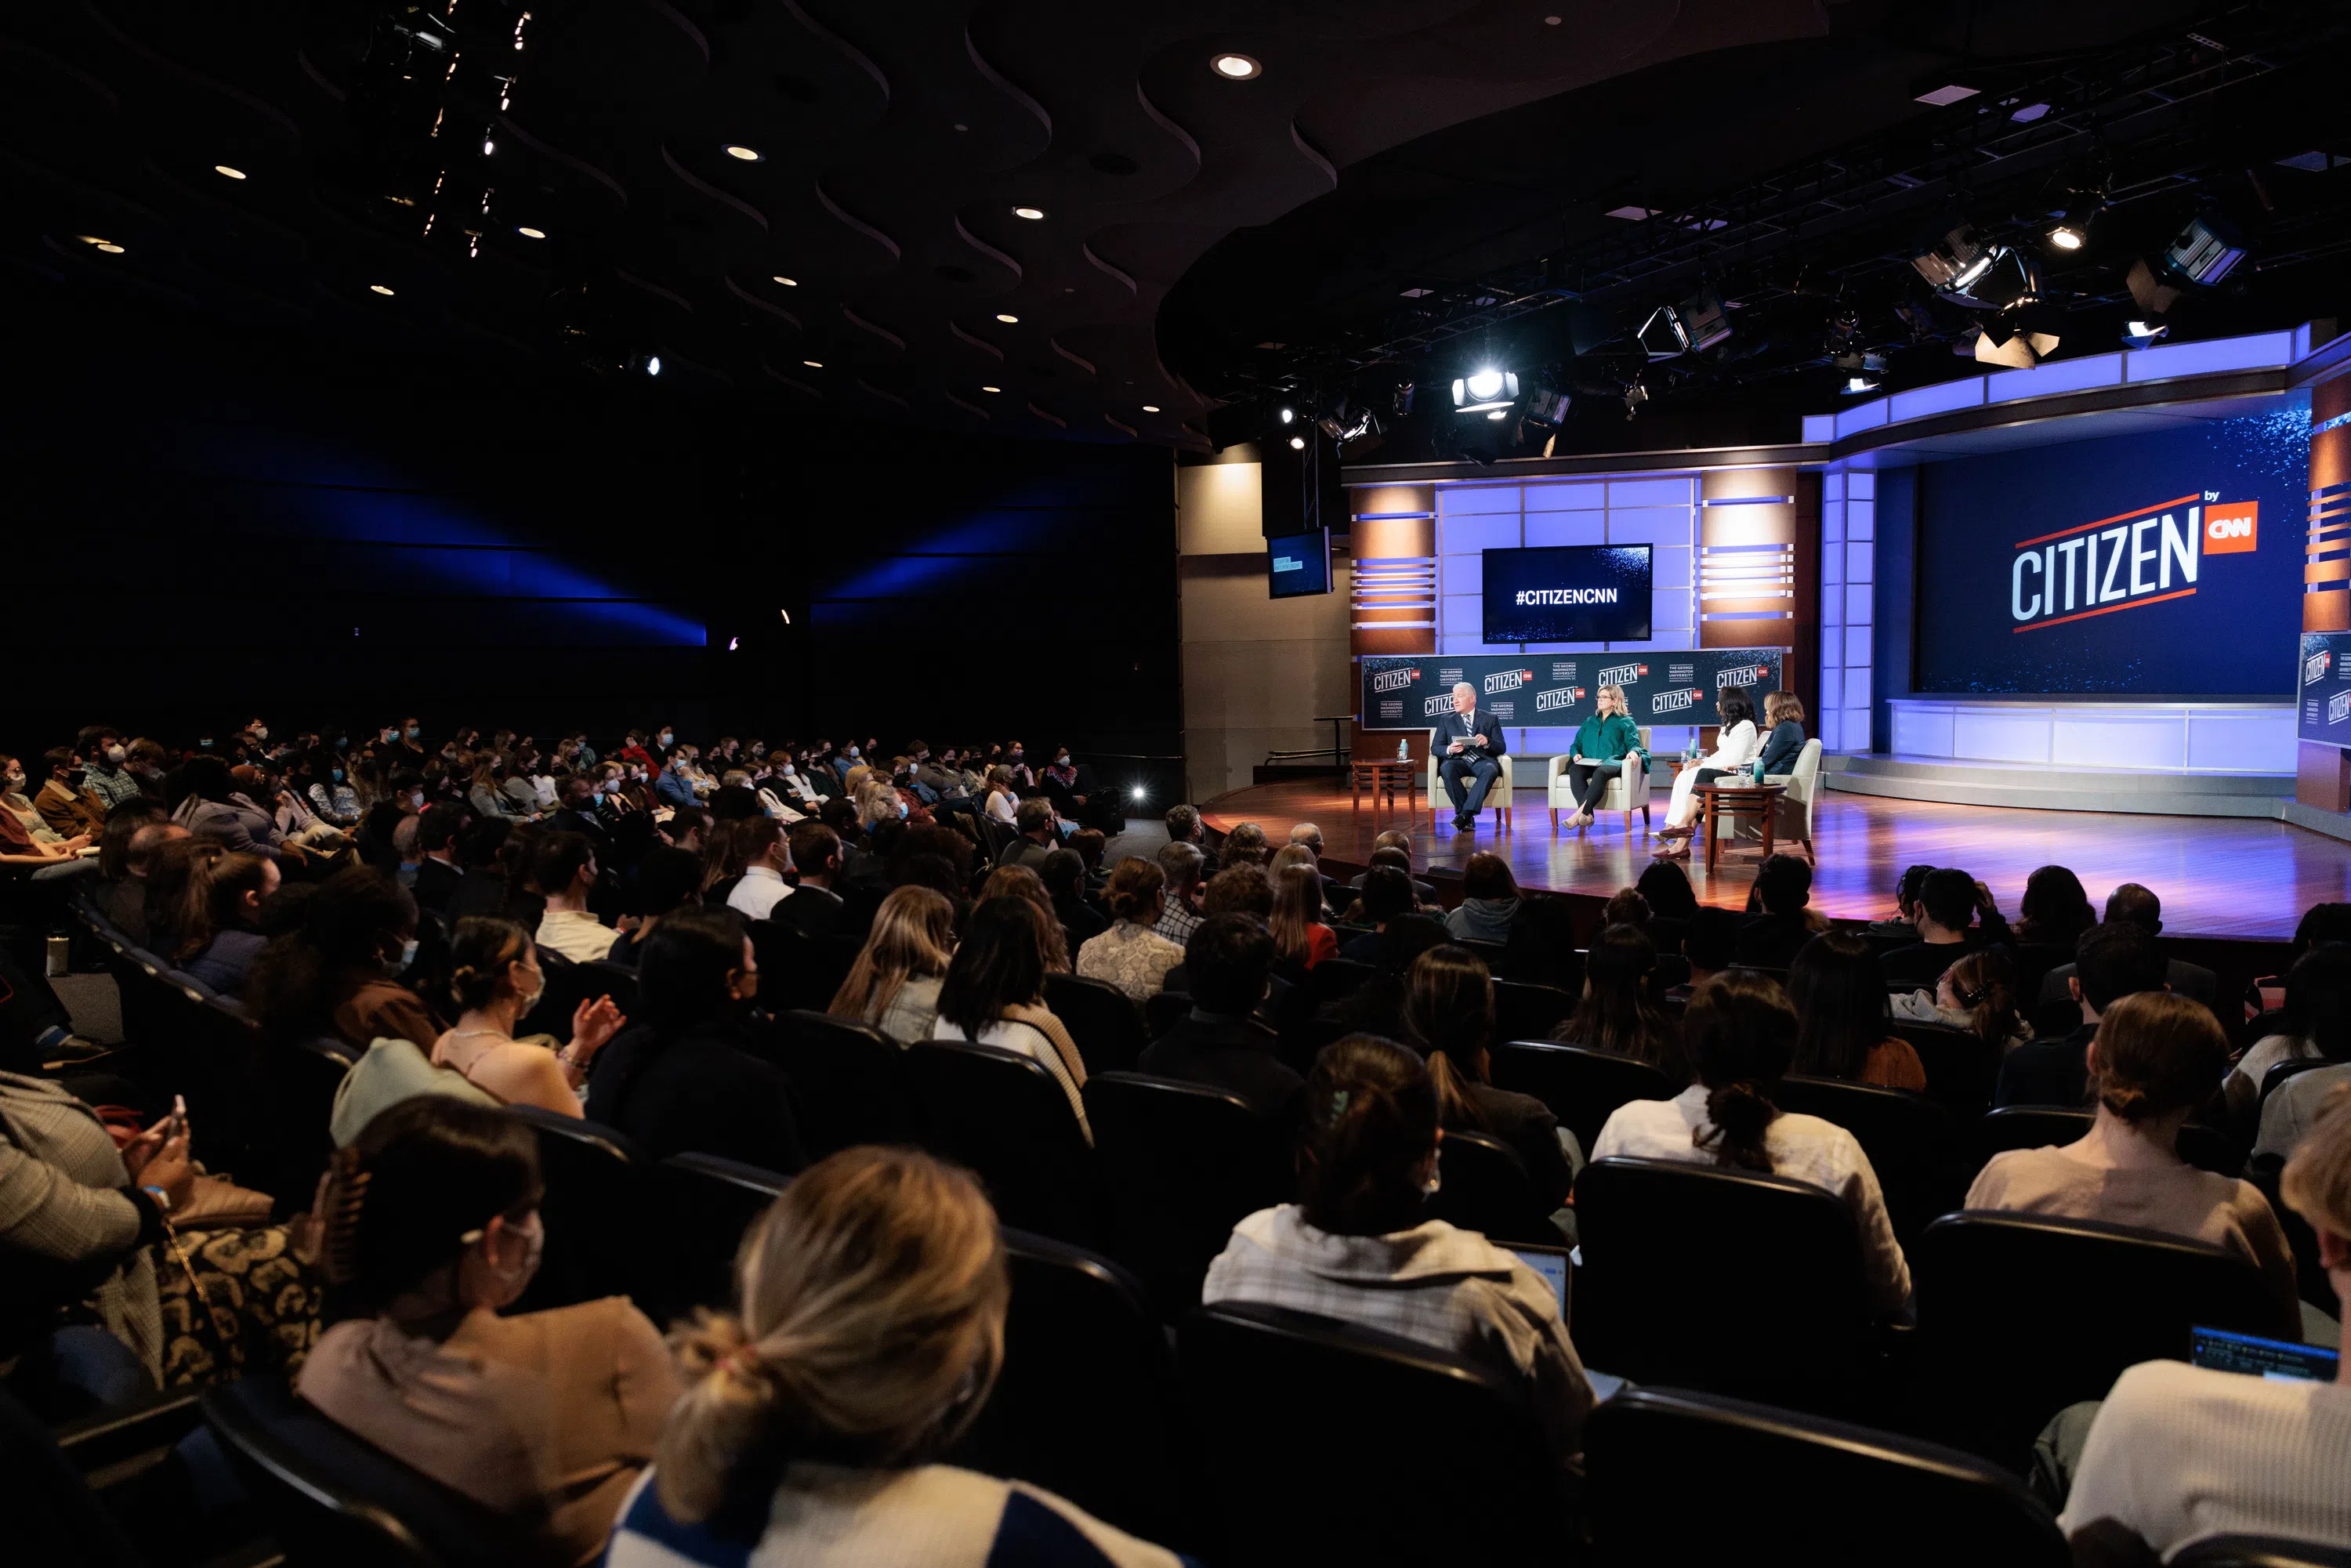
x=2112, y=961
x=813, y=909
x=1229, y=958
x=438, y=873
x=2140, y=906
x=578, y=814
x=1470, y=742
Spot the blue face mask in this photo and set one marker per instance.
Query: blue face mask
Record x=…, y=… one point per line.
x=407, y=954
x=666, y=738
x=338, y=774
x=412, y=732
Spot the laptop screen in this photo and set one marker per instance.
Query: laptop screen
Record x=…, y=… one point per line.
x=2220, y=1351
x=1552, y=1266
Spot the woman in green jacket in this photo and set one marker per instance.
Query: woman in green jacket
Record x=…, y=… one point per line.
x=1598, y=756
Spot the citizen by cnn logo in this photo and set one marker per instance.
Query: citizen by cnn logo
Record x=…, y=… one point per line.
x=1743, y=675
x=1675, y=700
x=1621, y=675
x=1432, y=706
x=1562, y=696
x=1507, y=680
x=1392, y=680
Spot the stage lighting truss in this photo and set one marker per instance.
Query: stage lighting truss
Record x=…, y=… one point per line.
x=1485, y=390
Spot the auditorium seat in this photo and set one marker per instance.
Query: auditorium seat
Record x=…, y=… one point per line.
x=1681, y=1479
x=1163, y=1011
x=848, y=1080
x=48, y=1509
x=566, y=984
x=1919, y=1149
x=1440, y=804
x=1582, y=1086
x=797, y=970
x=2259, y=1552
x=333, y=1500
x=1528, y=1012
x=705, y=1204
x=1334, y=979
x=596, y=1196
x=1708, y=1277
x=1327, y=1442
x=2020, y=1315
x=1087, y=1405
x=1004, y=1115
x=1181, y=1164
x=2279, y=1072
x=1103, y=1020
x=1483, y=1186
x=2040, y=1126
x=1628, y=790
x=299, y=1080
x=2316, y=1286
x=1961, y=1069
x=618, y=981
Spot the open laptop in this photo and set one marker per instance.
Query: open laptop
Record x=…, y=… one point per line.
x=2220, y=1351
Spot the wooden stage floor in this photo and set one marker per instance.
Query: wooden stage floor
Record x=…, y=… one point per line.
x=2218, y=876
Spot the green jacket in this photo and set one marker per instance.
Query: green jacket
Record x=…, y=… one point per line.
x=1608, y=739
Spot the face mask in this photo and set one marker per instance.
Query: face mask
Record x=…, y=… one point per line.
x=261, y=732
x=788, y=770
x=205, y=744
x=14, y=781
x=387, y=736
x=115, y=755
x=666, y=738
x=1062, y=760
x=412, y=732
x=336, y=774
x=852, y=753
x=416, y=798
x=1016, y=754
x=341, y=741
x=407, y=954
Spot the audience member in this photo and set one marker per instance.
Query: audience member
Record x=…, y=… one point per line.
x=1387, y=895
x=1355, y=1246
x=438, y=873
x=1019, y=882
x=1396, y=842
x=1299, y=933
x=1132, y=955
x=1001, y=805
x=766, y=856
x=1228, y=965
x=1063, y=872
x=1839, y=994
x=495, y=980
x=2136, y=906
x=1710, y=943
x=2055, y=911
x=1949, y=903
x=1448, y=1017
x=483, y=854
x=214, y=809
x=994, y=992
x=1771, y=940
x=337, y=975
x=431, y=1229
x=868, y=1334
x=1904, y=921
x=563, y=868
x=813, y=908
x=1975, y=995
x=1616, y=1012
x=1307, y=835
x=1741, y=1035
x=893, y=986
x=70, y=808
x=1242, y=889
x=216, y=934
x=2113, y=961
x=1489, y=901
x=121, y=896
x=1542, y=948
x=667, y=879
x=1668, y=888
x=1245, y=845
x=1184, y=868
x=2316, y=1025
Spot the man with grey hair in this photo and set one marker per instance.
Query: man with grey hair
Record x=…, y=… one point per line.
x=1040, y=834
x=1470, y=744
x=1310, y=835
x=1181, y=865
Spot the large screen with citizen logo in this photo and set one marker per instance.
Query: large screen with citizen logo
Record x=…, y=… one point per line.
x=2159, y=565
x=1410, y=691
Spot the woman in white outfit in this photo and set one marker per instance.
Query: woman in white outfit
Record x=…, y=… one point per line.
x=1735, y=745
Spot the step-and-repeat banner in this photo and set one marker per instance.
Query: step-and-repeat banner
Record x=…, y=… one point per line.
x=1408, y=691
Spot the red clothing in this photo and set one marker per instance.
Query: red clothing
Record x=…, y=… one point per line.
x=1322, y=943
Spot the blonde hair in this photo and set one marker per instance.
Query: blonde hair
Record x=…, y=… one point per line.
x=2318, y=1178
x=1297, y=909
x=913, y=937
x=1019, y=882
x=877, y=801
x=870, y=1330
x=1289, y=855
x=1613, y=689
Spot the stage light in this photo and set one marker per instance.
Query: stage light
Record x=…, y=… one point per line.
x=1486, y=389
x=2065, y=237
x=1008, y=319
x=1289, y=415
x=1150, y=408
x=1032, y=214
x=227, y=172
x=652, y=364
x=991, y=389
x=379, y=289
x=1956, y=260
x=745, y=154
x=1139, y=793
x=788, y=282
x=1691, y=327
x=2203, y=256
x=109, y=247
x=1500, y=413
x=2004, y=341
x=1547, y=405
x=1864, y=372
x=813, y=364
x=1235, y=68
x=1400, y=403
x=734, y=644
x=2071, y=230
x=489, y=147
x=1297, y=443
x=529, y=233
x=2142, y=334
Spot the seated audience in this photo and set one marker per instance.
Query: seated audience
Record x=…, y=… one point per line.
x=217, y=935
x=1742, y=1036
x=1709, y=943
x=121, y=896
x=1229, y=963
x=1839, y=995
x=1037, y=833
x=2136, y=906
x=1949, y=903
x=814, y=909
x=868, y=1334
x=1019, y=882
x=489, y=849
x=68, y=805
x=1244, y=846
x=493, y=982
x=1132, y=955
x=1904, y=921
x=2315, y=1026
x=1392, y=846
x=431, y=1229
x=438, y=873
x=1386, y=895
x=215, y=809
x=1063, y=872
x=667, y=879
x=994, y=992
x=1355, y=1246
x=338, y=973
x=1542, y=948
x=1616, y=1012
x=2112, y=961
x=1448, y=1017
x=1299, y=933
x=1185, y=870
x=1489, y=900
x=759, y=843
x=680, y=1080
x=893, y=986
x=1002, y=805
x=1673, y=903
x=2151, y=1067
x=2178, y=1453
x=2055, y=911
x=1771, y=940
x=563, y=868
x=1974, y=995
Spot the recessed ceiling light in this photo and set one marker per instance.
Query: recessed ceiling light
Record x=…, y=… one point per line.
x=379, y=289
x=224, y=170
x=1032, y=214
x=788, y=282
x=735, y=149
x=1551, y=21
x=991, y=389
x=489, y=147
x=529, y=233
x=1297, y=443
x=1235, y=68
x=109, y=247
x=1007, y=317
x=813, y=364
x=1150, y=408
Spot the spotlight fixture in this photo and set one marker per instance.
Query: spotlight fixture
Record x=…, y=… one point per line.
x=2143, y=334
x=1289, y=415
x=813, y=364
x=745, y=154
x=2203, y=256
x=109, y=247
x=2005, y=341
x=788, y=282
x=489, y=147
x=224, y=172
x=649, y=363
x=1485, y=391
x=1500, y=413
x=1955, y=262
x=2070, y=231
x=1139, y=793
x=529, y=233
x=1297, y=443
x=1547, y=405
x=1691, y=327
x=1236, y=67
x=1032, y=214
x=1401, y=403
x=1150, y=408
x=383, y=288
x=1864, y=372
x=991, y=389
x=1008, y=319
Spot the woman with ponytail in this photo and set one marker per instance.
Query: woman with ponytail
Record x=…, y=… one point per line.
x=2156, y=1060
x=867, y=1333
x=428, y=1227
x=216, y=933
x=495, y=979
x=1356, y=1247
x=1741, y=1034
x=1449, y=1017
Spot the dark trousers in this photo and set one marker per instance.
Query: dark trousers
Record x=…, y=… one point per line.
x=1466, y=778
x=1590, y=781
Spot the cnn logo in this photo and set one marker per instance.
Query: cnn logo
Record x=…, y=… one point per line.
x=2231, y=529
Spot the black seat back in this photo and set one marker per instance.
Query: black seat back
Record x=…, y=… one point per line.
x=1087, y=1405
x=1181, y=1164
x=1582, y=1086
x=2259, y=1552
x=1658, y=1241
x=848, y=1080
x=568, y=984
x=331, y=1498
x=596, y=1193
x=1163, y=1011
x=1918, y=1148
x=1301, y=1419
x=1483, y=1186
x=797, y=970
x=1104, y=1024
x=1007, y=1117
x=1896, y=1500
x=707, y=1203
x=2020, y=1315
x=606, y=979
x=301, y=1080
x=1961, y=1068
x=2280, y=1072
x=1335, y=978
x=1528, y=1012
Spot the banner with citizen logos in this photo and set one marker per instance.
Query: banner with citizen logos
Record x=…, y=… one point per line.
x=1411, y=691
x=2323, y=688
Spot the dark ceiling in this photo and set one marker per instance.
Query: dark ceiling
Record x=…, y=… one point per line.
x=392, y=156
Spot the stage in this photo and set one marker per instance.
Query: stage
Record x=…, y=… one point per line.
x=2222, y=877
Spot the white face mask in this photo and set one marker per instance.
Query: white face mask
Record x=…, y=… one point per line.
x=666, y=738
x=14, y=781
x=261, y=732
x=115, y=754
x=407, y=954
x=788, y=770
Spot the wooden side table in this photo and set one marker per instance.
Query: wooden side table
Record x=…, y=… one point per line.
x=1389, y=775
x=1723, y=800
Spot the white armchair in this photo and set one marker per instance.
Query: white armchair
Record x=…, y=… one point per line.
x=1498, y=798
x=1794, y=813
x=1627, y=792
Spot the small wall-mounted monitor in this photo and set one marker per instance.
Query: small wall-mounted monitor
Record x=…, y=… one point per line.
x=1298, y=564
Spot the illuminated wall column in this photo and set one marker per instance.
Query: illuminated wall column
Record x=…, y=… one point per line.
x=1758, y=541
x=1848, y=571
x=1393, y=600
x=2323, y=773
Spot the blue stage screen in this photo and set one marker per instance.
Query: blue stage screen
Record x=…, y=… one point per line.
x=2167, y=564
x=1568, y=593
